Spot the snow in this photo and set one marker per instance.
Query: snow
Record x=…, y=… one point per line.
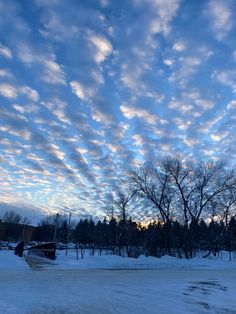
x=69, y=261
x=113, y=284
x=8, y=261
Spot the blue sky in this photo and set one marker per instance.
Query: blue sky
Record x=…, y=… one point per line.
x=89, y=89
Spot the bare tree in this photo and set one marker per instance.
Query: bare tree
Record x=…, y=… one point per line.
x=12, y=217
x=153, y=184
x=25, y=221
x=109, y=206
x=212, y=181
x=53, y=220
x=224, y=207
x=121, y=202
x=197, y=185
x=122, y=199
x=181, y=182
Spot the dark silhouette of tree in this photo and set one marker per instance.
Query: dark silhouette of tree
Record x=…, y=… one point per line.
x=12, y=217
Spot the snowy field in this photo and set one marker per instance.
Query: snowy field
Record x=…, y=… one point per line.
x=112, y=284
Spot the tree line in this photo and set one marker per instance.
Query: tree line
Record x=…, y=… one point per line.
x=132, y=239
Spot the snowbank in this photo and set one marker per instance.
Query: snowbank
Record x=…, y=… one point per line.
x=117, y=262
x=9, y=261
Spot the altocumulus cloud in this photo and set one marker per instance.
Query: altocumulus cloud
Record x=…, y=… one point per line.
x=90, y=89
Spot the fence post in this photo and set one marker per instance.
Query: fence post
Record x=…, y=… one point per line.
x=67, y=235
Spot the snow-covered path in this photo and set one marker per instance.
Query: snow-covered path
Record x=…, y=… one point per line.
x=117, y=291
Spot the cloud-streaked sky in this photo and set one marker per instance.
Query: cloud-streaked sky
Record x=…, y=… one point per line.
x=91, y=88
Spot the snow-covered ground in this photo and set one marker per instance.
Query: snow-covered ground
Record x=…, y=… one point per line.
x=112, y=284
x=117, y=262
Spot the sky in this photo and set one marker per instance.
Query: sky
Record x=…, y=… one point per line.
x=91, y=88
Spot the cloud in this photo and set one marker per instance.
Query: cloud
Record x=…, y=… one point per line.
x=57, y=107
x=220, y=13
x=208, y=124
x=185, y=69
x=138, y=140
x=8, y=91
x=226, y=78
x=234, y=55
x=51, y=72
x=168, y=62
x=191, y=142
x=81, y=91
x=103, y=47
x=219, y=136
x=12, y=92
x=143, y=114
x=32, y=94
x=101, y=111
x=162, y=14
x=182, y=124
x=54, y=26
x=198, y=99
x=5, y=52
x=139, y=47
x=231, y=104
x=179, y=46
x=179, y=106
x=6, y=73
